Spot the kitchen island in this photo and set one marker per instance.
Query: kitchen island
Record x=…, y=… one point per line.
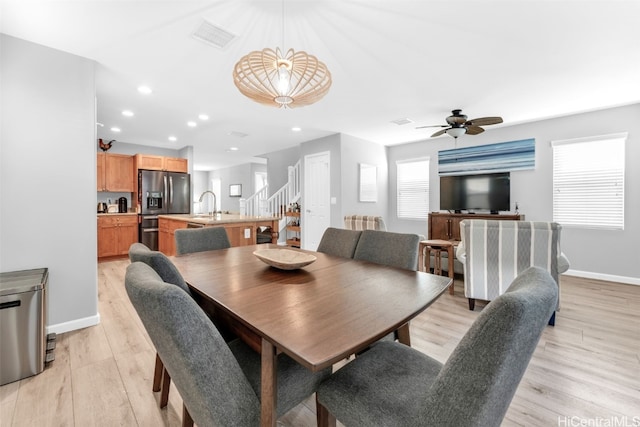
x=241, y=229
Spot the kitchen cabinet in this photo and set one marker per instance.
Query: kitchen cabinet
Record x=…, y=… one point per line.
x=161, y=163
x=446, y=226
x=116, y=233
x=166, y=237
x=115, y=173
x=242, y=231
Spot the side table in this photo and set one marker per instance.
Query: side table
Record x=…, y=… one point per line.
x=436, y=246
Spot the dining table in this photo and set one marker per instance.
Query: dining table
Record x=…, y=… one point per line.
x=318, y=314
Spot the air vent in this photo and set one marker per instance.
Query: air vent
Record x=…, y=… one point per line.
x=401, y=122
x=213, y=35
x=237, y=134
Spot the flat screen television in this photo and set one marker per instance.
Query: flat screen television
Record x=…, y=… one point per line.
x=479, y=192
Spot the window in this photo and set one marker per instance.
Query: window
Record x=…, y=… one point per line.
x=588, y=181
x=413, y=188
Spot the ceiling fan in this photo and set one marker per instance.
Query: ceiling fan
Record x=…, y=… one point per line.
x=457, y=125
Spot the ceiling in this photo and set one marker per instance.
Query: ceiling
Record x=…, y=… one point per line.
x=389, y=59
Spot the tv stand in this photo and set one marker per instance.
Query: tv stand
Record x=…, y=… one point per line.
x=446, y=226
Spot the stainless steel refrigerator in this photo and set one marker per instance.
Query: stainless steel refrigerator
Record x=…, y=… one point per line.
x=161, y=193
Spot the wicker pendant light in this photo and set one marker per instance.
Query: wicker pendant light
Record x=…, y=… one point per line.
x=292, y=80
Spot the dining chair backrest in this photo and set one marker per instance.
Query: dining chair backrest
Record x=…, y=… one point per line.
x=387, y=248
x=364, y=222
x=204, y=370
x=190, y=240
x=393, y=384
x=339, y=242
x=478, y=381
x=160, y=264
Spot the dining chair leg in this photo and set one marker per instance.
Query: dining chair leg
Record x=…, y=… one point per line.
x=157, y=374
x=324, y=418
x=187, y=421
x=164, y=395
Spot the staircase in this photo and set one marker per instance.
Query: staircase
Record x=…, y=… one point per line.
x=260, y=204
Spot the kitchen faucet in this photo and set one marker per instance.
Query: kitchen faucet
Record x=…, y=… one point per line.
x=215, y=207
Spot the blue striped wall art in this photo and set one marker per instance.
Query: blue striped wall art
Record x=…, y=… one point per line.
x=500, y=157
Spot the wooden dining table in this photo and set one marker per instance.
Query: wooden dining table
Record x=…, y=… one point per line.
x=318, y=315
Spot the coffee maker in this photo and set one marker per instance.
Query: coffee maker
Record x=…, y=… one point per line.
x=122, y=205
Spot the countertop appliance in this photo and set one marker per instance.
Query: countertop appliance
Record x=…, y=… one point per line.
x=22, y=323
x=122, y=205
x=102, y=207
x=160, y=193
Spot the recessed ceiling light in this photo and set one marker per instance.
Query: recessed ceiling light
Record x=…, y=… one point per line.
x=127, y=113
x=146, y=90
x=192, y=124
x=100, y=124
x=114, y=129
x=173, y=138
x=203, y=117
x=296, y=129
x=233, y=148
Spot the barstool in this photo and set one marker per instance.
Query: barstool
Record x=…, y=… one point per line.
x=436, y=246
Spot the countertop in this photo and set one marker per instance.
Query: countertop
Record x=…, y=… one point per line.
x=116, y=213
x=219, y=219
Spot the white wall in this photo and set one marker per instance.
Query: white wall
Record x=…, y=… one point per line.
x=355, y=151
x=605, y=254
x=241, y=174
x=48, y=176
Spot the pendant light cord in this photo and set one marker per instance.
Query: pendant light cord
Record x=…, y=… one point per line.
x=283, y=47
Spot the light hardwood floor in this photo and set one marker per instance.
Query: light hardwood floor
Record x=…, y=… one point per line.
x=586, y=368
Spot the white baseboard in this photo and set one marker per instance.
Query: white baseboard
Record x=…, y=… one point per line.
x=73, y=325
x=606, y=277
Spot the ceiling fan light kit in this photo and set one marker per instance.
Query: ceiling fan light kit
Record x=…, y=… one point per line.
x=292, y=80
x=458, y=125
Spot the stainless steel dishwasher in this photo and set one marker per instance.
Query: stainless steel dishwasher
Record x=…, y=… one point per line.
x=23, y=343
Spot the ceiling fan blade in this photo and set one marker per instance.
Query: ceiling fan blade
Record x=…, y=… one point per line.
x=474, y=130
x=440, y=132
x=432, y=126
x=485, y=121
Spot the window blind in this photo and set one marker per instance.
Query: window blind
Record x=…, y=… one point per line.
x=413, y=188
x=588, y=181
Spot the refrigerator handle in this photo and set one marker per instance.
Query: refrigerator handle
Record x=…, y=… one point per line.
x=170, y=190
x=166, y=192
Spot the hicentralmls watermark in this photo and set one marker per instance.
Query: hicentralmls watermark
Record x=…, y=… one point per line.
x=575, y=421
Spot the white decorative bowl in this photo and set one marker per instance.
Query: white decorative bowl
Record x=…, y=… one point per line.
x=284, y=259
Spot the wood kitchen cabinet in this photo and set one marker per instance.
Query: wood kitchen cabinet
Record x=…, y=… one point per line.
x=115, y=173
x=446, y=226
x=166, y=235
x=161, y=163
x=116, y=233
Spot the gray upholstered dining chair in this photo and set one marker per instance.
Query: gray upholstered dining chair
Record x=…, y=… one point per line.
x=219, y=382
x=339, y=242
x=190, y=240
x=168, y=272
x=396, y=385
x=387, y=248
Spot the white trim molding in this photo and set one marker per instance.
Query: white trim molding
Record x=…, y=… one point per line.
x=74, y=324
x=602, y=276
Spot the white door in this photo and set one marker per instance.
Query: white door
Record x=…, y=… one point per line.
x=316, y=214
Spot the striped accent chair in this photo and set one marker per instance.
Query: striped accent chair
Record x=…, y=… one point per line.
x=495, y=252
x=364, y=222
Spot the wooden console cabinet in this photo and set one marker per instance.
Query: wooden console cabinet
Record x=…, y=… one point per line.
x=446, y=226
